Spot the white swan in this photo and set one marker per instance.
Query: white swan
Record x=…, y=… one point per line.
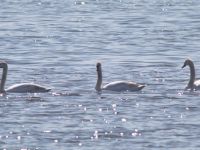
x=193, y=84
x=117, y=85
x=19, y=88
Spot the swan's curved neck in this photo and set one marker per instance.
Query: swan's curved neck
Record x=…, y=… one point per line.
x=99, y=79
x=192, y=75
x=3, y=79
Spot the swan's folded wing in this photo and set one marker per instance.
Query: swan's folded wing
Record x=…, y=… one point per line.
x=27, y=88
x=123, y=86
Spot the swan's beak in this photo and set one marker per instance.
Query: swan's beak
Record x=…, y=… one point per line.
x=183, y=65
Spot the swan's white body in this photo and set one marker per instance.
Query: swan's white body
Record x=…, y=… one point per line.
x=19, y=88
x=117, y=85
x=197, y=85
x=122, y=86
x=193, y=83
x=27, y=88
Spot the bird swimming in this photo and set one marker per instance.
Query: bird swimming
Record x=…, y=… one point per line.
x=19, y=88
x=118, y=86
x=193, y=84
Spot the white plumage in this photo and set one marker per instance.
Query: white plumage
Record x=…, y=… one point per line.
x=19, y=88
x=122, y=86
x=193, y=83
x=27, y=88
x=117, y=85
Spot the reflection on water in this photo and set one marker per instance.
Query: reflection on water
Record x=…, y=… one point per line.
x=58, y=44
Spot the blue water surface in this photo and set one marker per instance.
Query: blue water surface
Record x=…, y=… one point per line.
x=57, y=44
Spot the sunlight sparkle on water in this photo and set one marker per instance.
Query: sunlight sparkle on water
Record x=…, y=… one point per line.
x=124, y=119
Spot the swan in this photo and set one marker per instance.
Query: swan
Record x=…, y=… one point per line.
x=19, y=88
x=117, y=85
x=193, y=84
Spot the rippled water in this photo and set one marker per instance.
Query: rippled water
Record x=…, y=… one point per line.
x=57, y=44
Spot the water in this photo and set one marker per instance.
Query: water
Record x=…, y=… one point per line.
x=57, y=44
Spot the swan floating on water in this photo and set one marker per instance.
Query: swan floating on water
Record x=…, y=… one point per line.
x=117, y=85
x=19, y=88
x=193, y=84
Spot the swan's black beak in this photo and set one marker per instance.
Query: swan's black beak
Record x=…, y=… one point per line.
x=183, y=65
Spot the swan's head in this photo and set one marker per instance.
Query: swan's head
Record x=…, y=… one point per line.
x=98, y=65
x=187, y=62
x=3, y=64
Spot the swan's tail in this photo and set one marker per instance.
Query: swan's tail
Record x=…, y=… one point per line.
x=48, y=90
x=140, y=87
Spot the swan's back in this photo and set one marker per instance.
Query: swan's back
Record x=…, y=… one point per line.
x=123, y=86
x=27, y=88
x=197, y=85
